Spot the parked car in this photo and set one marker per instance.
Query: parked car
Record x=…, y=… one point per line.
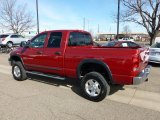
x=11, y=39
x=126, y=39
x=2, y=37
x=154, y=55
x=62, y=54
x=121, y=44
x=157, y=39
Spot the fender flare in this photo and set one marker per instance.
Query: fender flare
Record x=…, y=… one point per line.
x=11, y=58
x=107, y=69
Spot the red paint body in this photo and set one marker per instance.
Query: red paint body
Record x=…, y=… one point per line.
x=121, y=61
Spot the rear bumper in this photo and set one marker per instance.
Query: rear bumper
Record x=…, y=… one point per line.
x=143, y=76
x=2, y=45
x=154, y=59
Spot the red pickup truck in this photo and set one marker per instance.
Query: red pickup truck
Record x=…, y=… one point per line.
x=65, y=54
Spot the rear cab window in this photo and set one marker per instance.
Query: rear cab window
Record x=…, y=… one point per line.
x=124, y=45
x=111, y=44
x=80, y=39
x=129, y=44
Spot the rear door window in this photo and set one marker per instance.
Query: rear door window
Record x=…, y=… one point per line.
x=14, y=36
x=55, y=40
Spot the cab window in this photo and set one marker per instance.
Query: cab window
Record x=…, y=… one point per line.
x=39, y=41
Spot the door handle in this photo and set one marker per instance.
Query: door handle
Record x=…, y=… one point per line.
x=39, y=52
x=57, y=53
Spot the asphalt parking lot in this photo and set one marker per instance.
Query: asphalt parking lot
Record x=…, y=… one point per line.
x=40, y=98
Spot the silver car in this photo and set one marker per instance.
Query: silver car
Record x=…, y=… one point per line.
x=154, y=56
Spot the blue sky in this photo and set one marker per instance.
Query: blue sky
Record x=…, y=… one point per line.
x=69, y=14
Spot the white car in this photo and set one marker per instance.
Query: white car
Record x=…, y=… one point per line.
x=157, y=39
x=126, y=39
x=11, y=39
x=154, y=55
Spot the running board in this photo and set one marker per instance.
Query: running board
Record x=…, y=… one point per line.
x=46, y=75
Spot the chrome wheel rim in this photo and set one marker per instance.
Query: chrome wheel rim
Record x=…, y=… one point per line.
x=93, y=88
x=9, y=44
x=17, y=71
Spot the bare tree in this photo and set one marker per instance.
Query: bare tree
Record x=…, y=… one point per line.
x=143, y=12
x=14, y=17
x=126, y=30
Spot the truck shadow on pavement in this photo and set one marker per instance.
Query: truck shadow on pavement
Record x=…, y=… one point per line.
x=154, y=64
x=72, y=84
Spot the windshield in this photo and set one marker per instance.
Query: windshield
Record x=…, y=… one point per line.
x=156, y=45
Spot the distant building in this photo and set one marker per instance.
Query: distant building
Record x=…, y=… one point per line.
x=112, y=36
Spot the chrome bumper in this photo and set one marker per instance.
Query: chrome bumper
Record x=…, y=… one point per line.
x=143, y=76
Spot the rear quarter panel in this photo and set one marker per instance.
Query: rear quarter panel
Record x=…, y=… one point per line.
x=119, y=61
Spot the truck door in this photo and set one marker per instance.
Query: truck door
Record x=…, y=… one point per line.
x=54, y=54
x=33, y=55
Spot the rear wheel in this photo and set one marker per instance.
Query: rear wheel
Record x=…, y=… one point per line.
x=18, y=71
x=94, y=86
x=9, y=44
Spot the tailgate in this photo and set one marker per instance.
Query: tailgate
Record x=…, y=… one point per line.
x=143, y=56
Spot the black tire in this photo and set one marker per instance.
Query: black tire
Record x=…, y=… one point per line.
x=22, y=72
x=9, y=44
x=102, y=85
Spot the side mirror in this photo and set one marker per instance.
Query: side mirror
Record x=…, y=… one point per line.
x=25, y=44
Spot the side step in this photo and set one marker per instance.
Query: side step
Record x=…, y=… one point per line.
x=46, y=75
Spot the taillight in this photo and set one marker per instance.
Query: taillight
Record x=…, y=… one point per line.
x=136, y=63
x=3, y=39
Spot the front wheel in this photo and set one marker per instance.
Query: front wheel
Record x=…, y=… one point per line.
x=94, y=86
x=18, y=71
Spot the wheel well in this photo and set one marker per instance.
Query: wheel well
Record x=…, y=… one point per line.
x=95, y=67
x=15, y=59
x=10, y=42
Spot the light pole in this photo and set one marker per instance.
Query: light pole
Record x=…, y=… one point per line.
x=84, y=23
x=37, y=16
x=88, y=25
x=98, y=28
x=118, y=19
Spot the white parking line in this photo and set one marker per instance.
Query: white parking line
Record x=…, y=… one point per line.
x=140, y=98
x=5, y=69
